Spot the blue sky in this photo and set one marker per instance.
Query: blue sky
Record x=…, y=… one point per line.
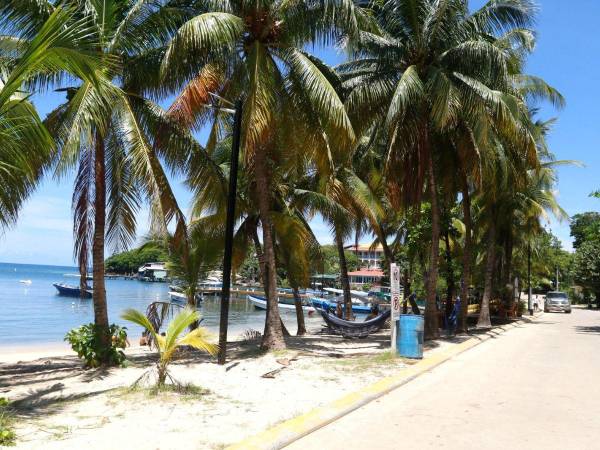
x=566, y=56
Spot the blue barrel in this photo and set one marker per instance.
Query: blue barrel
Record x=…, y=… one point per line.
x=409, y=338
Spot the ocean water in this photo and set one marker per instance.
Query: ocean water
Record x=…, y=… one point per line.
x=35, y=314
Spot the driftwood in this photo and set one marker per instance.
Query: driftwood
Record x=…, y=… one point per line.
x=285, y=362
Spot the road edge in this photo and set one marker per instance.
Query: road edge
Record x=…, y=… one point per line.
x=296, y=428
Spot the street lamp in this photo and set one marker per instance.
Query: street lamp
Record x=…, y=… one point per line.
x=229, y=224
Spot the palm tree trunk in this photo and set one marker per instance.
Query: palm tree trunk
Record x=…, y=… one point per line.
x=299, y=312
x=507, y=278
x=467, y=252
x=344, y=275
x=264, y=279
x=387, y=252
x=484, y=312
x=406, y=289
x=449, y=275
x=431, y=318
x=273, y=334
x=99, y=289
x=261, y=259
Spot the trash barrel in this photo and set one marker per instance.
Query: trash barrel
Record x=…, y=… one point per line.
x=409, y=339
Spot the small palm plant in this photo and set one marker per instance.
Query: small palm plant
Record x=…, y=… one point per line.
x=168, y=343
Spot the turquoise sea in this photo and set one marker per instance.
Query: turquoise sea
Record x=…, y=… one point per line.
x=34, y=314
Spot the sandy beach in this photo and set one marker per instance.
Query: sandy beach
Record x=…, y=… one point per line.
x=60, y=405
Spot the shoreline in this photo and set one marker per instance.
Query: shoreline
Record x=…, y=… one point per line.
x=13, y=353
x=10, y=353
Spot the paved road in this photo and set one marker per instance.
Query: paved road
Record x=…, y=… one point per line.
x=535, y=387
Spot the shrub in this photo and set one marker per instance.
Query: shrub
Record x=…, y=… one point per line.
x=7, y=434
x=86, y=342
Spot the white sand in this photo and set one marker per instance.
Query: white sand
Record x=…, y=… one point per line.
x=61, y=406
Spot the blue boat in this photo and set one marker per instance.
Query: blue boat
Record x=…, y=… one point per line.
x=326, y=305
x=71, y=291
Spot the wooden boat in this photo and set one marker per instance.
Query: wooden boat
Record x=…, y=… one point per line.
x=261, y=303
x=321, y=303
x=352, y=329
x=72, y=291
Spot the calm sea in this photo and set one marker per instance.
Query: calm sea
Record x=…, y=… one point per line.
x=34, y=313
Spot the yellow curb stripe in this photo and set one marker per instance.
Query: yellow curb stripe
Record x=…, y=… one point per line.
x=291, y=430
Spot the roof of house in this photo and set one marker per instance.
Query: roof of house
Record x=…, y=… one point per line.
x=365, y=248
x=367, y=273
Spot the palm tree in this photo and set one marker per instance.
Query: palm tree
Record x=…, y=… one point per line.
x=172, y=340
x=296, y=248
x=191, y=259
x=31, y=56
x=107, y=129
x=255, y=50
x=433, y=66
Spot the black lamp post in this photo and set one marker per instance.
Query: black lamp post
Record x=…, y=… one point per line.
x=230, y=222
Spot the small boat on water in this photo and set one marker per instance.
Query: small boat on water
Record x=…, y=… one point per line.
x=72, y=291
x=361, y=295
x=27, y=282
x=327, y=305
x=179, y=297
x=261, y=303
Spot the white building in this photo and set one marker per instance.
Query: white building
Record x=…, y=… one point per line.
x=153, y=271
x=368, y=259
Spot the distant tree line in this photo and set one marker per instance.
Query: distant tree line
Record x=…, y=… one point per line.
x=585, y=230
x=130, y=261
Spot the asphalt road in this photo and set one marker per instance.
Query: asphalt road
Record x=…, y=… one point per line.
x=534, y=387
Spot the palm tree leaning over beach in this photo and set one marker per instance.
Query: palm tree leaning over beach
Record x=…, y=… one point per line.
x=106, y=130
x=255, y=50
x=31, y=57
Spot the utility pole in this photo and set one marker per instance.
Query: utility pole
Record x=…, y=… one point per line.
x=229, y=224
x=529, y=304
x=557, y=284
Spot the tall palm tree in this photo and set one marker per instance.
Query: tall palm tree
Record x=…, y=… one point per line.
x=255, y=50
x=432, y=65
x=106, y=129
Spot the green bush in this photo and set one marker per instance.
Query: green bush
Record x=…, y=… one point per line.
x=86, y=342
x=7, y=434
x=130, y=261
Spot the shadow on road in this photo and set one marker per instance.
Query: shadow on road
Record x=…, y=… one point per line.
x=587, y=330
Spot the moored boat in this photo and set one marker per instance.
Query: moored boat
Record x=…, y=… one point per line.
x=180, y=297
x=72, y=291
x=327, y=305
x=261, y=303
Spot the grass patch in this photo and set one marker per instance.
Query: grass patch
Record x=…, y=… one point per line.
x=364, y=363
x=8, y=437
x=168, y=392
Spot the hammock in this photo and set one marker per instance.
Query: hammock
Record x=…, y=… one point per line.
x=351, y=329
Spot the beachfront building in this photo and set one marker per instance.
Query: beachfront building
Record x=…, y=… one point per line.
x=366, y=276
x=153, y=271
x=368, y=258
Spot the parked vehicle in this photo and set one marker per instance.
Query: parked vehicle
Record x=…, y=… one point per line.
x=557, y=301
